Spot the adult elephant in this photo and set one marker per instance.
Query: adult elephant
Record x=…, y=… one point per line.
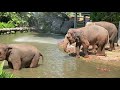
x=20, y=55
x=89, y=35
x=112, y=30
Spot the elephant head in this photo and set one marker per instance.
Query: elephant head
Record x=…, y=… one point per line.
x=4, y=49
x=73, y=36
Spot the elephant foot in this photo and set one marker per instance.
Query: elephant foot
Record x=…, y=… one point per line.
x=113, y=48
x=117, y=45
x=86, y=56
x=77, y=56
x=93, y=51
x=109, y=49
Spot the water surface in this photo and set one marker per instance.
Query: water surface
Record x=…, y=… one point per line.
x=57, y=64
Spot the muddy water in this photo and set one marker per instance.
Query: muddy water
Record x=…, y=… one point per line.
x=57, y=64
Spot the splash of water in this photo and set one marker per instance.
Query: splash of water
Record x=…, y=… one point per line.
x=48, y=40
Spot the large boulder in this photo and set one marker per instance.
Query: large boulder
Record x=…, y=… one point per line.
x=55, y=22
x=66, y=26
x=56, y=25
x=60, y=26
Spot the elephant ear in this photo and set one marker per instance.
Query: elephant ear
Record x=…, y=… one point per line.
x=83, y=38
x=7, y=49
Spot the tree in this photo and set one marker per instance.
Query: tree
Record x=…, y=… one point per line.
x=113, y=17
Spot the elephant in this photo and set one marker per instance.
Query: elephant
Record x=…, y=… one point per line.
x=112, y=30
x=89, y=35
x=20, y=55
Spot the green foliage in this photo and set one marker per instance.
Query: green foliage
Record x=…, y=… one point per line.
x=113, y=17
x=6, y=25
x=1, y=67
x=15, y=19
x=4, y=74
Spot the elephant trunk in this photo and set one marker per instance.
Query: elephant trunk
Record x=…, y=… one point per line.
x=66, y=42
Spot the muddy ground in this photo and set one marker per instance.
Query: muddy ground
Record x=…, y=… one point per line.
x=112, y=58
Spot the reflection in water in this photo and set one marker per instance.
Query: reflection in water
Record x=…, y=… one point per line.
x=57, y=64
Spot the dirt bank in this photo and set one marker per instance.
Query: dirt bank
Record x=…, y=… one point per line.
x=112, y=58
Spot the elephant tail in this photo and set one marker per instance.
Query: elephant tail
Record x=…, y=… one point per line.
x=108, y=39
x=42, y=57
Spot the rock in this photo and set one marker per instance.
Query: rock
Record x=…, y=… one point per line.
x=55, y=22
x=66, y=26
x=56, y=25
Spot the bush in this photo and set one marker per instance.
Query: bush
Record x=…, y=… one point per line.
x=15, y=18
x=113, y=17
x=6, y=25
x=4, y=74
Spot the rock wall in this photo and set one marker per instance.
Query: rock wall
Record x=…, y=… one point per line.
x=54, y=22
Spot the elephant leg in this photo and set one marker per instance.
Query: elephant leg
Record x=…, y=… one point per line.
x=78, y=50
x=112, y=46
x=117, y=44
x=101, y=50
x=85, y=50
x=16, y=64
x=34, y=62
x=15, y=60
x=65, y=43
x=85, y=44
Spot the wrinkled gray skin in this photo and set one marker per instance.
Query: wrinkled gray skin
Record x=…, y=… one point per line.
x=20, y=55
x=112, y=30
x=89, y=35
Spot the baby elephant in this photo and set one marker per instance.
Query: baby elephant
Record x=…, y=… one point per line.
x=20, y=55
